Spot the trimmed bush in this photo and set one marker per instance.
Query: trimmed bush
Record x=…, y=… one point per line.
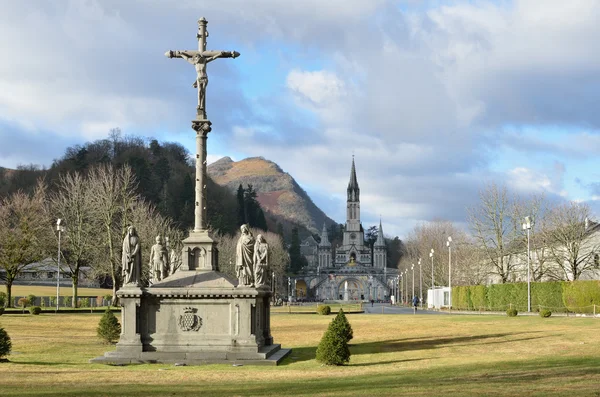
x=84, y=302
x=545, y=313
x=333, y=348
x=67, y=301
x=108, y=298
x=52, y=300
x=581, y=296
x=31, y=300
x=512, y=312
x=342, y=326
x=35, y=310
x=324, y=310
x=548, y=294
x=5, y=343
x=2, y=299
x=109, y=328
x=478, y=297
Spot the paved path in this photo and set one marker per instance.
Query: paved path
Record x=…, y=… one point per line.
x=383, y=308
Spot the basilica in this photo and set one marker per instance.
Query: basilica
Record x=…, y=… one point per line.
x=351, y=271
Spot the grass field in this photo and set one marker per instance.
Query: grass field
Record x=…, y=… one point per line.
x=24, y=290
x=391, y=355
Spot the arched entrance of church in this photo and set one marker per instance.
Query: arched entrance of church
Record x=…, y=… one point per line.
x=351, y=290
x=301, y=289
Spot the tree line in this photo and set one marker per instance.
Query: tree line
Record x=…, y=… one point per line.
x=562, y=242
x=100, y=188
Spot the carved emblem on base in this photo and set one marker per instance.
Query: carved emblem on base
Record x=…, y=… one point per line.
x=189, y=320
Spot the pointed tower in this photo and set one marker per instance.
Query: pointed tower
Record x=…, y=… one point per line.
x=353, y=202
x=379, y=250
x=324, y=249
x=354, y=238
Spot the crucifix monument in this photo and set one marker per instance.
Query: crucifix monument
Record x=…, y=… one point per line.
x=198, y=315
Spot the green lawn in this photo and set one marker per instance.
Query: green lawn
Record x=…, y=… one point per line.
x=391, y=355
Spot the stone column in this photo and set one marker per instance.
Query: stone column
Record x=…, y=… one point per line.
x=202, y=128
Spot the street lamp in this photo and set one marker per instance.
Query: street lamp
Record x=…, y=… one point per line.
x=420, y=283
x=398, y=293
x=59, y=228
x=527, y=226
x=432, y=280
x=449, y=244
x=413, y=283
x=406, y=290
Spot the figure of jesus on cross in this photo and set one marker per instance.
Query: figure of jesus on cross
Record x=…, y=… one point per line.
x=200, y=59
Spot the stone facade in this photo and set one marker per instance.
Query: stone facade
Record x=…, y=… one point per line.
x=351, y=272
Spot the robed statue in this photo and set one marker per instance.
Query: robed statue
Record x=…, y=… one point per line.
x=131, y=258
x=244, y=256
x=261, y=261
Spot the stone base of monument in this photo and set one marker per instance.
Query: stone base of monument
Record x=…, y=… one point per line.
x=195, y=317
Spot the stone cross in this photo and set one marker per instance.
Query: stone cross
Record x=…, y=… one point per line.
x=200, y=58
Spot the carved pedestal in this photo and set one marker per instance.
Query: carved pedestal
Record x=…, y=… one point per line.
x=196, y=317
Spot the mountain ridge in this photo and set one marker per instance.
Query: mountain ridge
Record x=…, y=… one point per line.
x=277, y=191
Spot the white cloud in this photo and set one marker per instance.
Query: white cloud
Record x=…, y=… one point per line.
x=320, y=87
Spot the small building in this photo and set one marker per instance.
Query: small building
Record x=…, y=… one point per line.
x=439, y=297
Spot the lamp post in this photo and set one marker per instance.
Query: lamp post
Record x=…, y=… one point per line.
x=397, y=285
x=406, y=290
x=289, y=290
x=527, y=226
x=59, y=228
x=432, y=280
x=449, y=244
x=420, y=283
x=413, y=283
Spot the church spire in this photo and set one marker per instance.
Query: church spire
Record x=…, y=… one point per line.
x=324, y=238
x=353, y=189
x=380, y=240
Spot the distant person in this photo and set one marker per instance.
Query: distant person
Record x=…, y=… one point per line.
x=415, y=302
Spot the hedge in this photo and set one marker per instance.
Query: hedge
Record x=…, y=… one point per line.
x=556, y=296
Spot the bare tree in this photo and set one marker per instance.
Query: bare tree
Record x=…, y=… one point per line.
x=536, y=207
x=25, y=233
x=149, y=224
x=495, y=227
x=71, y=202
x=278, y=256
x=112, y=194
x=570, y=243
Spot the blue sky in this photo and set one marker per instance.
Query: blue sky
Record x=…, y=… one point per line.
x=434, y=98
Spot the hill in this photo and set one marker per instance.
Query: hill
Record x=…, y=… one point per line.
x=278, y=193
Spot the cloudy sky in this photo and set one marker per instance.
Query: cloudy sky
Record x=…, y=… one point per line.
x=434, y=98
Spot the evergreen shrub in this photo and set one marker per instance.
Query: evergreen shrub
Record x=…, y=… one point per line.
x=324, y=310
x=108, y=298
x=52, y=300
x=67, y=301
x=31, y=300
x=581, y=296
x=35, y=310
x=512, y=312
x=342, y=326
x=548, y=294
x=2, y=299
x=5, y=343
x=333, y=348
x=109, y=328
x=84, y=302
x=545, y=313
x=478, y=297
